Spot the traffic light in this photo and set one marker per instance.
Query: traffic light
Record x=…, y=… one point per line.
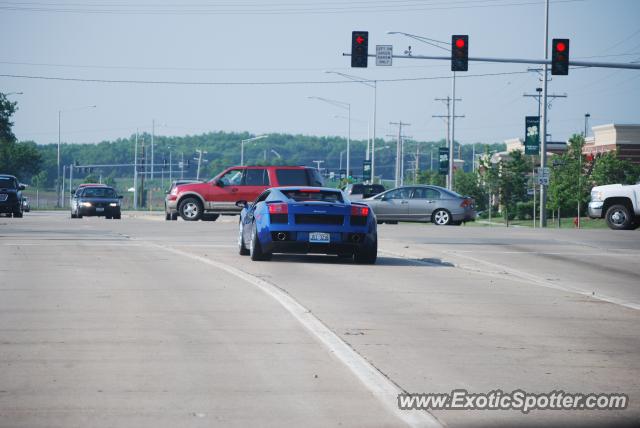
x=460, y=53
x=560, y=57
x=359, y=48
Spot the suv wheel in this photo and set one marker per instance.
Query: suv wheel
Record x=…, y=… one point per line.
x=17, y=214
x=619, y=217
x=191, y=209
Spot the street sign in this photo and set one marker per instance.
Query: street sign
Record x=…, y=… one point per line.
x=543, y=181
x=443, y=159
x=531, y=192
x=544, y=172
x=532, y=135
x=366, y=170
x=384, y=55
x=180, y=165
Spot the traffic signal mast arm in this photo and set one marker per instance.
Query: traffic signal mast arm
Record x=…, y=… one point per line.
x=520, y=61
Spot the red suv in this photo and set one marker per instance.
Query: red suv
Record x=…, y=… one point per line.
x=208, y=200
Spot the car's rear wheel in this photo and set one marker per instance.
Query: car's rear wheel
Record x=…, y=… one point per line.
x=108, y=217
x=242, y=248
x=174, y=216
x=255, y=249
x=167, y=216
x=191, y=209
x=73, y=215
x=441, y=217
x=619, y=217
x=17, y=214
x=368, y=253
x=117, y=216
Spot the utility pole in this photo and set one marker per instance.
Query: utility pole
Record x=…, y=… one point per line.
x=182, y=165
x=417, y=165
x=135, y=174
x=399, y=179
x=153, y=132
x=200, y=152
x=449, y=119
x=538, y=97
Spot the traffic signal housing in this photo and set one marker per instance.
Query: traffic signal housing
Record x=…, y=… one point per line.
x=459, y=53
x=560, y=57
x=359, y=48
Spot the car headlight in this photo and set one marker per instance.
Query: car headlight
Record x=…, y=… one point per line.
x=597, y=196
x=85, y=204
x=113, y=204
x=174, y=191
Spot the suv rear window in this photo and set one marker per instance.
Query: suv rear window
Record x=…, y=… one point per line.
x=299, y=177
x=315, y=195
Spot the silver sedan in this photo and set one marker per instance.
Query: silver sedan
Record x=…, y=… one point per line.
x=423, y=204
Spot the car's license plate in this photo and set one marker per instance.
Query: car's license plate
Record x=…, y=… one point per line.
x=319, y=237
x=99, y=209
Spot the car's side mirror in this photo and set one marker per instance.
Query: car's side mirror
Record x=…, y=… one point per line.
x=119, y=196
x=22, y=187
x=219, y=183
x=242, y=204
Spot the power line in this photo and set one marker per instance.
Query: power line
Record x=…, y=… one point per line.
x=273, y=83
x=83, y=9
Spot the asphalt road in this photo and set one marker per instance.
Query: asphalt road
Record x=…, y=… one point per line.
x=142, y=322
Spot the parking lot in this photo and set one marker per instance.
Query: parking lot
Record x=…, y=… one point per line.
x=142, y=321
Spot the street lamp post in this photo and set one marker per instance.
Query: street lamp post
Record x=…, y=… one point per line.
x=346, y=106
x=59, y=202
x=246, y=141
x=373, y=85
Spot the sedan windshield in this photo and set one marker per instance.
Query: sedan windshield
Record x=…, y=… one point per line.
x=99, y=192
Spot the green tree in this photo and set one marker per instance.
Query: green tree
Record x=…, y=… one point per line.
x=468, y=184
x=567, y=185
x=7, y=109
x=431, y=177
x=610, y=169
x=512, y=182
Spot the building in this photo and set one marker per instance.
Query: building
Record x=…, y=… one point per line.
x=625, y=139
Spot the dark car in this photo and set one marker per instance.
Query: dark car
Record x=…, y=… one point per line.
x=10, y=195
x=307, y=220
x=358, y=191
x=169, y=215
x=100, y=201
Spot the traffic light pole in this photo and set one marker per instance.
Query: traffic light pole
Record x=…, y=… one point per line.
x=521, y=61
x=543, y=121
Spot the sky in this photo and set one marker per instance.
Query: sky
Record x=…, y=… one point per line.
x=228, y=54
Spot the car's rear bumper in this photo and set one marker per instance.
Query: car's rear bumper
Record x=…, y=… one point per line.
x=595, y=209
x=297, y=242
x=10, y=207
x=92, y=211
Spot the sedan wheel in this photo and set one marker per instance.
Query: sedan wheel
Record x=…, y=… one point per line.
x=441, y=217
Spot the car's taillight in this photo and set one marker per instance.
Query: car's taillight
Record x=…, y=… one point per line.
x=278, y=209
x=359, y=211
x=467, y=203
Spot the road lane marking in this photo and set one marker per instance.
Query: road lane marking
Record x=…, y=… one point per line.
x=377, y=383
x=536, y=280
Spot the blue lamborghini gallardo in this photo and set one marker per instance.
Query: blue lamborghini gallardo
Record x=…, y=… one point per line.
x=304, y=220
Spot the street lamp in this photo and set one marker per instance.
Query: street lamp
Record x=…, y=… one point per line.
x=373, y=85
x=59, y=133
x=246, y=141
x=346, y=106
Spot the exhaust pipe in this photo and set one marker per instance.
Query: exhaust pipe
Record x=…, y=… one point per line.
x=281, y=236
x=355, y=238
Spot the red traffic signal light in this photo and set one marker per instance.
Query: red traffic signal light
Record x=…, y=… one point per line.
x=560, y=57
x=460, y=53
x=359, y=48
